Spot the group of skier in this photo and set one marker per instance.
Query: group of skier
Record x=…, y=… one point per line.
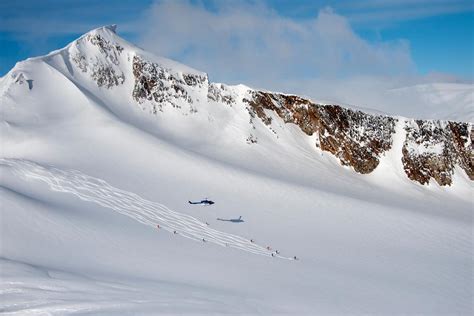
x=209, y=202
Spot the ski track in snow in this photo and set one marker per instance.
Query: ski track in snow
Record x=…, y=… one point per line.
x=149, y=213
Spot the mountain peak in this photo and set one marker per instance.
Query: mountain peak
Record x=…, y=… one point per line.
x=125, y=77
x=111, y=27
x=105, y=30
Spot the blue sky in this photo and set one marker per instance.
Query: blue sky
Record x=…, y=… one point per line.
x=428, y=37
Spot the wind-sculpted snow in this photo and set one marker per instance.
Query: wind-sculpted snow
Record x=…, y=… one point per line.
x=149, y=213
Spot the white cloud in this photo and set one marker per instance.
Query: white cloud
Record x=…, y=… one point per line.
x=389, y=11
x=322, y=58
x=253, y=44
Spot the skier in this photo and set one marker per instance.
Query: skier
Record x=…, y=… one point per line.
x=294, y=258
x=277, y=252
x=251, y=240
x=158, y=226
x=273, y=255
x=269, y=248
x=175, y=232
x=203, y=240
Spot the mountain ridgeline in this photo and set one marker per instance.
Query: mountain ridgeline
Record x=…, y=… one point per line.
x=430, y=149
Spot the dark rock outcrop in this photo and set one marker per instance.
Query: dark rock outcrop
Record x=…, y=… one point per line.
x=432, y=149
x=103, y=66
x=462, y=137
x=156, y=83
x=220, y=93
x=111, y=51
x=357, y=139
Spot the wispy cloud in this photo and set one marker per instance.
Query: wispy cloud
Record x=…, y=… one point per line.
x=390, y=11
x=254, y=43
x=374, y=13
x=384, y=4
x=322, y=58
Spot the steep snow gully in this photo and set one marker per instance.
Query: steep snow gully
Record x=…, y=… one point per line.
x=149, y=213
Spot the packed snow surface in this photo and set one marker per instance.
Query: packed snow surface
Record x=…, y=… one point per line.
x=87, y=175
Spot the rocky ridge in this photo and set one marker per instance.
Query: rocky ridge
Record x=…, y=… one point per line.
x=431, y=149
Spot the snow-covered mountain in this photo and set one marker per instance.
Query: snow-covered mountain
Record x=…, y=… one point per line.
x=127, y=77
x=103, y=144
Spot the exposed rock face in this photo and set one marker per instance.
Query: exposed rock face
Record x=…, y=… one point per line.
x=103, y=66
x=111, y=51
x=220, y=93
x=155, y=83
x=433, y=148
x=357, y=139
x=430, y=149
x=106, y=76
x=463, y=141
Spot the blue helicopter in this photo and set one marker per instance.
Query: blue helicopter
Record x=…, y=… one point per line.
x=203, y=202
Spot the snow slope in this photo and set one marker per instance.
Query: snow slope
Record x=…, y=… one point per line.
x=448, y=101
x=86, y=175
